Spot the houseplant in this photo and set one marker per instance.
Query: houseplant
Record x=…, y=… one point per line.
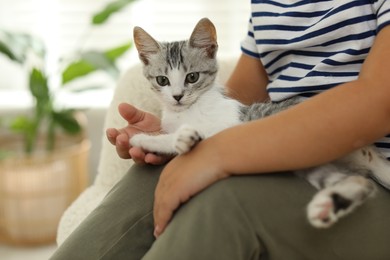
x=43, y=154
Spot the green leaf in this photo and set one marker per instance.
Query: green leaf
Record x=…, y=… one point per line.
x=28, y=128
x=22, y=124
x=117, y=52
x=8, y=52
x=38, y=85
x=113, y=7
x=22, y=43
x=77, y=69
x=92, y=61
x=40, y=91
x=17, y=45
x=66, y=120
x=102, y=62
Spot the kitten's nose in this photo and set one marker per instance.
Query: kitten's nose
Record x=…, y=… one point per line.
x=178, y=97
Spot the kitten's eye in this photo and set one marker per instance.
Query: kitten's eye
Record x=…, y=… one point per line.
x=162, y=81
x=192, y=77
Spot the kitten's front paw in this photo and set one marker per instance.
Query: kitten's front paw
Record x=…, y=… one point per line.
x=186, y=138
x=138, y=140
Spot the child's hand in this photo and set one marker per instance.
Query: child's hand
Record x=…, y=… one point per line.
x=138, y=122
x=182, y=178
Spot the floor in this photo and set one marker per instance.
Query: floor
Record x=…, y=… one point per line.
x=22, y=253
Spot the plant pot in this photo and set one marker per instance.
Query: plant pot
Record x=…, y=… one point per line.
x=36, y=190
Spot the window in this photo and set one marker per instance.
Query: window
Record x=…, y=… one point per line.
x=64, y=27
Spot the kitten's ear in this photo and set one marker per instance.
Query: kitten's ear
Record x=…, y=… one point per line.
x=205, y=36
x=145, y=44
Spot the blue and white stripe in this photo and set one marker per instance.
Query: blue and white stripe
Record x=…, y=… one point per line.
x=310, y=46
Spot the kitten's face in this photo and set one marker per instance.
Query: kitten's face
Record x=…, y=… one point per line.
x=180, y=72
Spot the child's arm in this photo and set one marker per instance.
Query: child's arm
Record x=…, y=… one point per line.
x=319, y=130
x=248, y=81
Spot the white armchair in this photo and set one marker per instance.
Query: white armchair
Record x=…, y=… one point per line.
x=132, y=88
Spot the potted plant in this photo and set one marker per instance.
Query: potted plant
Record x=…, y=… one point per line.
x=44, y=153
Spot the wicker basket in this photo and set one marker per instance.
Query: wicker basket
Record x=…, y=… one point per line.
x=36, y=190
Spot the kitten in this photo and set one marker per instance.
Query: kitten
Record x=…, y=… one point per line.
x=194, y=106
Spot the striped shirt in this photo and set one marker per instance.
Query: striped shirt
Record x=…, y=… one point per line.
x=310, y=46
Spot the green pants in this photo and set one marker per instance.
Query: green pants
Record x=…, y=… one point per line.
x=246, y=217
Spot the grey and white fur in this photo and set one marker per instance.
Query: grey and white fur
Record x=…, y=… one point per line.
x=194, y=107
